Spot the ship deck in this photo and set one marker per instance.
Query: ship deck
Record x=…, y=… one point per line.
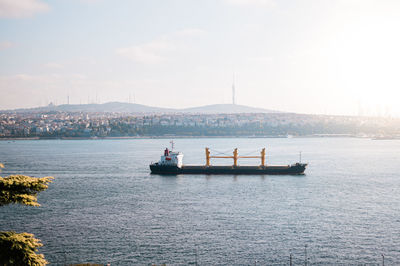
x=231, y=170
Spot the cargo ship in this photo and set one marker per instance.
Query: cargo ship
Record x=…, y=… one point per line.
x=171, y=163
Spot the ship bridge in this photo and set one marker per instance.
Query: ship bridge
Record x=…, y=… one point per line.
x=171, y=158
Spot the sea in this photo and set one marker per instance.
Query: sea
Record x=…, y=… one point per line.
x=104, y=206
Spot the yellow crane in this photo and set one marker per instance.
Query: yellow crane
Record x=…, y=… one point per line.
x=235, y=157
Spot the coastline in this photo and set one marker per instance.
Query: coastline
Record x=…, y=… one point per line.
x=135, y=137
x=180, y=137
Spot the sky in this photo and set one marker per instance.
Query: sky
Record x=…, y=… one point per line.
x=306, y=56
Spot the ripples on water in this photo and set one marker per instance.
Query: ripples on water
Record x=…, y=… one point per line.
x=104, y=206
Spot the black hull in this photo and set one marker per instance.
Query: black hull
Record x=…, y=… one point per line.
x=294, y=169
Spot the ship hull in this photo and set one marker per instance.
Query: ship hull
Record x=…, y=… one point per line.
x=294, y=169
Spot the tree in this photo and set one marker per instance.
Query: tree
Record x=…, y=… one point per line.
x=22, y=189
x=21, y=248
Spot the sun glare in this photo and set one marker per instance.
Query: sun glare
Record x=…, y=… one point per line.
x=367, y=58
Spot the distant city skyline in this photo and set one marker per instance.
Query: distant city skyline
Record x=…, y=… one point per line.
x=316, y=57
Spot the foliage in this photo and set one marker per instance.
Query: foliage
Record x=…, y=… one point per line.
x=22, y=189
x=19, y=249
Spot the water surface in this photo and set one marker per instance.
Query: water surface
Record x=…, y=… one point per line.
x=104, y=206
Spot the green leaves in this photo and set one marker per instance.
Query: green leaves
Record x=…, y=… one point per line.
x=22, y=189
x=20, y=249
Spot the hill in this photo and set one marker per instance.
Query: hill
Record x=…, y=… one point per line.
x=110, y=107
x=226, y=109
x=119, y=107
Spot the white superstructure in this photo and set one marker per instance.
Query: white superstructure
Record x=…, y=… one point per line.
x=171, y=158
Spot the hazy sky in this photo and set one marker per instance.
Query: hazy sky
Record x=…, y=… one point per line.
x=309, y=56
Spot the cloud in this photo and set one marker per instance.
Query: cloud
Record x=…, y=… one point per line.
x=5, y=45
x=21, y=8
x=148, y=53
x=158, y=50
x=258, y=3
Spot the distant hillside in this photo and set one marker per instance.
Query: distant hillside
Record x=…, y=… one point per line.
x=226, y=109
x=118, y=107
x=111, y=107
